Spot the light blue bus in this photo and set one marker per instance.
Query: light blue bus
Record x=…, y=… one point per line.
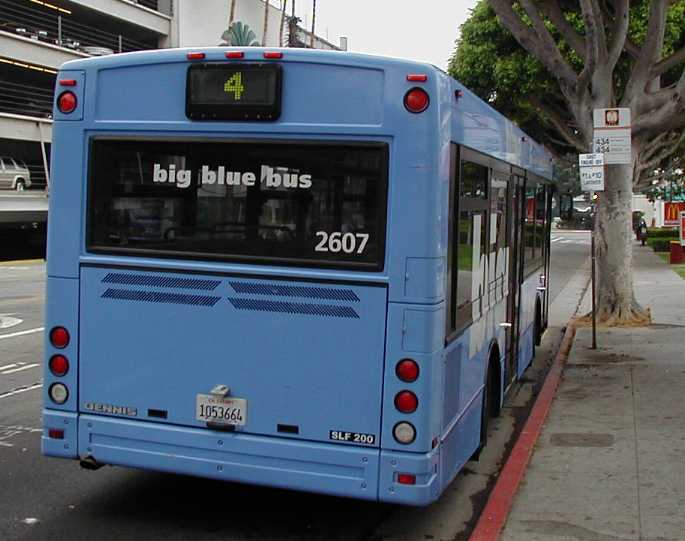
x=313, y=270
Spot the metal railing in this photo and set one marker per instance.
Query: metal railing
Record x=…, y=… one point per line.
x=37, y=173
x=23, y=99
x=152, y=4
x=65, y=31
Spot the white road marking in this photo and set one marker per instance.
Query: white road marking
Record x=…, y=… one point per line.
x=557, y=239
x=20, y=428
x=20, y=369
x=7, y=321
x=8, y=366
x=7, y=432
x=21, y=390
x=21, y=333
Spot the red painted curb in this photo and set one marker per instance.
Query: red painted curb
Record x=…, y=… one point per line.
x=496, y=511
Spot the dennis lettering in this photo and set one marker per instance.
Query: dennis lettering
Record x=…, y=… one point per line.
x=111, y=410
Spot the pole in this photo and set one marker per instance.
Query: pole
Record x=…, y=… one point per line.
x=45, y=158
x=592, y=279
x=311, y=43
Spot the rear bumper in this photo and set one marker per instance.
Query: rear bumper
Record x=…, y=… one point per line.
x=286, y=463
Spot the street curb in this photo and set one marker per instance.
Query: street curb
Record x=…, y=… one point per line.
x=494, y=515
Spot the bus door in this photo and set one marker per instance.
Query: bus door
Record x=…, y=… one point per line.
x=516, y=199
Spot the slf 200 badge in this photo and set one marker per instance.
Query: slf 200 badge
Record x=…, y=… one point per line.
x=352, y=437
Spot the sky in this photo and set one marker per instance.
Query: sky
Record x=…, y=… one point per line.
x=423, y=30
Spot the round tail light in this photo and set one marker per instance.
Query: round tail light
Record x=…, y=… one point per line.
x=407, y=370
x=59, y=337
x=404, y=432
x=416, y=100
x=66, y=102
x=58, y=393
x=59, y=365
x=406, y=402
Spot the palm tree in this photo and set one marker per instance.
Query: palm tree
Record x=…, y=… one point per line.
x=266, y=21
x=241, y=35
x=311, y=44
x=231, y=17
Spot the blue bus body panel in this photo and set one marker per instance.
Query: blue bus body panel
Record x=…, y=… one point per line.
x=300, y=465
x=67, y=445
x=302, y=354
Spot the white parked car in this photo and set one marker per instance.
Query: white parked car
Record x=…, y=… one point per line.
x=14, y=175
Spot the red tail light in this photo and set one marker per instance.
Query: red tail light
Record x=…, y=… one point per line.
x=406, y=402
x=407, y=370
x=59, y=337
x=195, y=56
x=235, y=54
x=417, y=77
x=406, y=478
x=66, y=102
x=59, y=365
x=273, y=54
x=416, y=100
x=56, y=433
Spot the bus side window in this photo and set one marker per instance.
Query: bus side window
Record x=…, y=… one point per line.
x=498, y=231
x=529, y=228
x=469, y=240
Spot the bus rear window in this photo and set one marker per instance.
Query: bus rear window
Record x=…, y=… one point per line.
x=294, y=203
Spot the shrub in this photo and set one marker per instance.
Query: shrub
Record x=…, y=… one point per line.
x=660, y=245
x=662, y=232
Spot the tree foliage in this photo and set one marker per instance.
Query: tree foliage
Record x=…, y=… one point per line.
x=492, y=63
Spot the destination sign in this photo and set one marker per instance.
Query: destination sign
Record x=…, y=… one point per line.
x=220, y=91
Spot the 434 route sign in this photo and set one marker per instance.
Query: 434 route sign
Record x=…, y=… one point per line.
x=612, y=135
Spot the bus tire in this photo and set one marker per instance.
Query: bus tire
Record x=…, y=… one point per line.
x=490, y=406
x=20, y=185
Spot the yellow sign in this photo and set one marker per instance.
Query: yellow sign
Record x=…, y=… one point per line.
x=235, y=85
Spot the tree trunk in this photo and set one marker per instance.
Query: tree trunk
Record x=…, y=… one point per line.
x=614, y=244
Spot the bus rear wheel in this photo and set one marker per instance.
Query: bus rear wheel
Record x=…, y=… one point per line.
x=490, y=406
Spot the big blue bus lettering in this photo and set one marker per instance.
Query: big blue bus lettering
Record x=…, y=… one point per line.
x=363, y=277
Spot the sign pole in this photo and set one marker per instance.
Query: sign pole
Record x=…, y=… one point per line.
x=592, y=279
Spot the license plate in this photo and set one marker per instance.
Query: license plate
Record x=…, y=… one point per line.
x=221, y=410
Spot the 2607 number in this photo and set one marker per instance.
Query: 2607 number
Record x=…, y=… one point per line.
x=220, y=412
x=341, y=242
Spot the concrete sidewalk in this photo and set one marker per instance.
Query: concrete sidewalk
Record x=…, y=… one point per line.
x=609, y=463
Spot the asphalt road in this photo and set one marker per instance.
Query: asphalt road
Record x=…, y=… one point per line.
x=43, y=498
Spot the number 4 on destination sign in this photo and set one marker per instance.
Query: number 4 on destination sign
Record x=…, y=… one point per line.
x=235, y=85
